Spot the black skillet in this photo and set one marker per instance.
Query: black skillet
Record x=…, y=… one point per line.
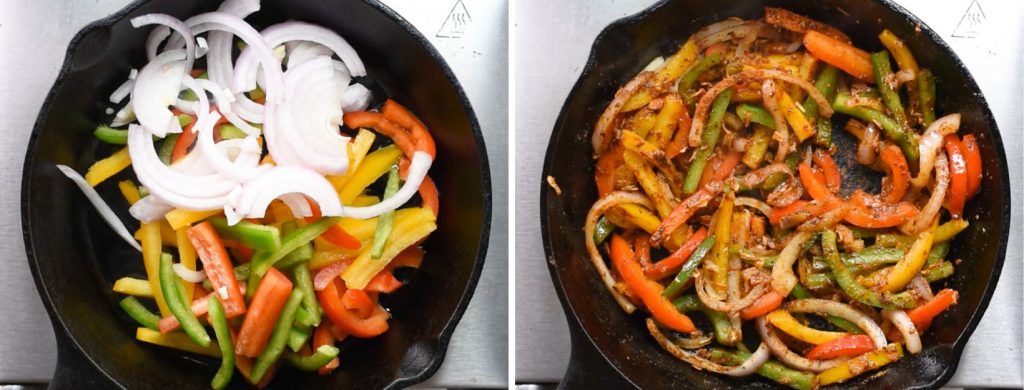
x=75, y=258
x=613, y=350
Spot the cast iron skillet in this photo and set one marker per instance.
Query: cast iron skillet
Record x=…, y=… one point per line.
x=611, y=338
x=75, y=258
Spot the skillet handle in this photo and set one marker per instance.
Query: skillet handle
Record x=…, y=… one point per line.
x=74, y=371
x=587, y=368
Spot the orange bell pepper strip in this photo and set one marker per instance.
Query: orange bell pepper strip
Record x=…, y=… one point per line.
x=972, y=153
x=647, y=290
x=396, y=113
x=679, y=140
x=264, y=309
x=956, y=195
x=720, y=168
x=428, y=193
x=358, y=301
x=923, y=315
x=184, y=141
x=880, y=216
x=781, y=212
x=670, y=265
x=377, y=122
x=217, y=266
x=607, y=163
x=849, y=346
x=684, y=211
x=814, y=184
x=349, y=321
x=841, y=55
x=829, y=168
x=763, y=305
x=899, y=174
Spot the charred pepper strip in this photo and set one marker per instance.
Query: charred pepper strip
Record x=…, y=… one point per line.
x=892, y=129
x=227, y=349
x=710, y=139
x=926, y=96
x=690, y=77
x=850, y=286
x=602, y=230
x=885, y=79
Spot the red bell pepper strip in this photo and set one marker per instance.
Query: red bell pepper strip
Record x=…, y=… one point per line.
x=684, y=211
x=680, y=138
x=814, y=184
x=347, y=320
x=428, y=193
x=972, y=153
x=849, y=346
x=184, y=141
x=377, y=122
x=396, y=113
x=781, y=212
x=199, y=307
x=326, y=275
x=879, y=216
x=218, y=268
x=334, y=234
x=899, y=174
x=358, y=301
x=720, y=168
x=923, y=315
x=322, y=336
x=763, y=305
x=647, y=290
x=384, y=282
x=833, y=180
x=670, y=265
x=956, y=196
x=266, y=306
x=607, y=163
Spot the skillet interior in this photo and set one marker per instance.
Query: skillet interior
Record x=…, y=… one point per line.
x=621, y=51
x=75, y=257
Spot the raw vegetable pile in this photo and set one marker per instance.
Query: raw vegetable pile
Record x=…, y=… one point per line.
x=243, y=166
x=720, y=199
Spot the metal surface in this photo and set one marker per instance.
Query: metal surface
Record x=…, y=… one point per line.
x=988, y=39
x=471, y=34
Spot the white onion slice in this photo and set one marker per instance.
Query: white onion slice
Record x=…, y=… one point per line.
x=124, y=116
x=187, y=274
x=417, y=171
x=155, y=89
x=257, y=194
x=356, y=98
x=749, y=366
x=298, y=204
x=902, y=321
x=929, y=147
x=783, y=279
x=178, y=26
x=101, y=207
x=787, y=356
x=181, y=190
x=149, y=209
x=841, y=310
x=122, y=91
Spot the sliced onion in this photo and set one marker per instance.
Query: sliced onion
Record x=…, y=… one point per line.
x=417, y=171
x=694, y=341
x=749, y=366
x=754, y=203
x=841, y=310
x=181, y=190
x=596, y=211
x=929, y=147
x=711, y=299
x=356, y=98
x=597, y=139
x=101, y=207
x=783, y=279
x=827, y=220
x=921, y=287
x=756, y=177
x=868, y=147
x=122, y=91
x=723, y=31
x=298, y=204
x=655, y=64
x=187, y=274
x=178, y=26
x=930, y=211
x=257, y=194
x=149, y=209
x=219, y=66
x=155, y=89
x=303, y=51
x=771, y=102
x=787, y=356
x=124, y=116
x=902, y=321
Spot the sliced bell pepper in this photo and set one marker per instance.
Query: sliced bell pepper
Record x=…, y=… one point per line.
x=842, y=55
x=844, y=278
x=322, y=336
x=183, y=218
x=650, y=292
x=151, y=253
x=723, y=236
x=948, y=230
x=956, y=196
x=395, y=112
x=679, y=140
x=110, y=166
x=408, y=230
x=374, y=165
x=911, y=263
x=763, y=305
x=140, y=313
x=227, y=349
x=883, y=72
x=304, y=282
x=796, y=118
x=892, y=129
x=218, y=267
x=849, y=346
x=320, y=358
x=759, y=141
x=709, y=139
x=688, y=79
x=899, y=174
x=268, y=302
x=771, y=369
x=814, y=185
x=263, y=261
x=336, y=235
x=178, y=341
x=176, y=303
x=255, y=236
x=833, y=179
x=129, y=191
x=881, y=216
x=925, y=313
x=673, y=68
x=781, y=212
x=696, y=256
x=785, y=322
x=386, y=220
x=604, y=173
x=972, y=154
x=869, y=361
x=376, y=121
x=683, y=212
x=133, y=287
x=279, y=338
x=348, y=320
x=926, y=96
x=358, y=301
x=664, y=267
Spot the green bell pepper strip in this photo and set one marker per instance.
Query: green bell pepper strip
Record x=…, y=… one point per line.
x=710, y=139
x=859, y=232
x=892, y=129
x=801, y=292
x=176, y=303
x=926, y=96
x=749, y=256
x=938, y=271
x=771, y=369
x=756, y=114
x=819, y=281
x=874, y=255
x=303, y=316
x=256, y=236
x=883, y=71
x=844, y=278
x=262, y=261
x=140, y=313
x=298, y=336
x=602, y=230
x=111, y=135
x=300, y=255
x=939, y=252
x=167, y=148
x=691, y=264
x=758, y=148
x=690, y=77
x=228, y=131
x=319, y=358
x=278, y=338
x=779, y=177
x=889, y=240
x=826, y=84
x=386, y=220
x=227, y=349
x=184, y=120
x=719, y=321
x=304, y=281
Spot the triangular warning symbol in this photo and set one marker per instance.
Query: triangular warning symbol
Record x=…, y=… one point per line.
x=971, y=23
x=455, y=24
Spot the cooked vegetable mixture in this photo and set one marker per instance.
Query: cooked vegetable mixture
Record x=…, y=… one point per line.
x=721, y=201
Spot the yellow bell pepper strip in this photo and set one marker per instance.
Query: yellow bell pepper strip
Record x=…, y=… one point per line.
x=649, y=291
x=723, y=234
x=373, y=166
x=648, y=180
x=851, y=368
x=795, y=117
x=151, y=247
x=640, y=216
x=227, y=349
x=654, y=155
x=133, y=287
x=758, y=146
x=407, y=231
x=176, y=302
x=175, y=340
x=904, y=58
x=140, y=313
x=187, y=258
x=912, y=262
x=278, y=338
x=668, y=117
x=323, y=355
x=672, y=69
x=258, y=237
x=771, y=369
x=110, y=166
x=357, y=151
x=785, y=322
x=129, y=191
x=948, y=230
x=709, y=139
x=644, y=121
x=182, y=218
x=386, y=220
